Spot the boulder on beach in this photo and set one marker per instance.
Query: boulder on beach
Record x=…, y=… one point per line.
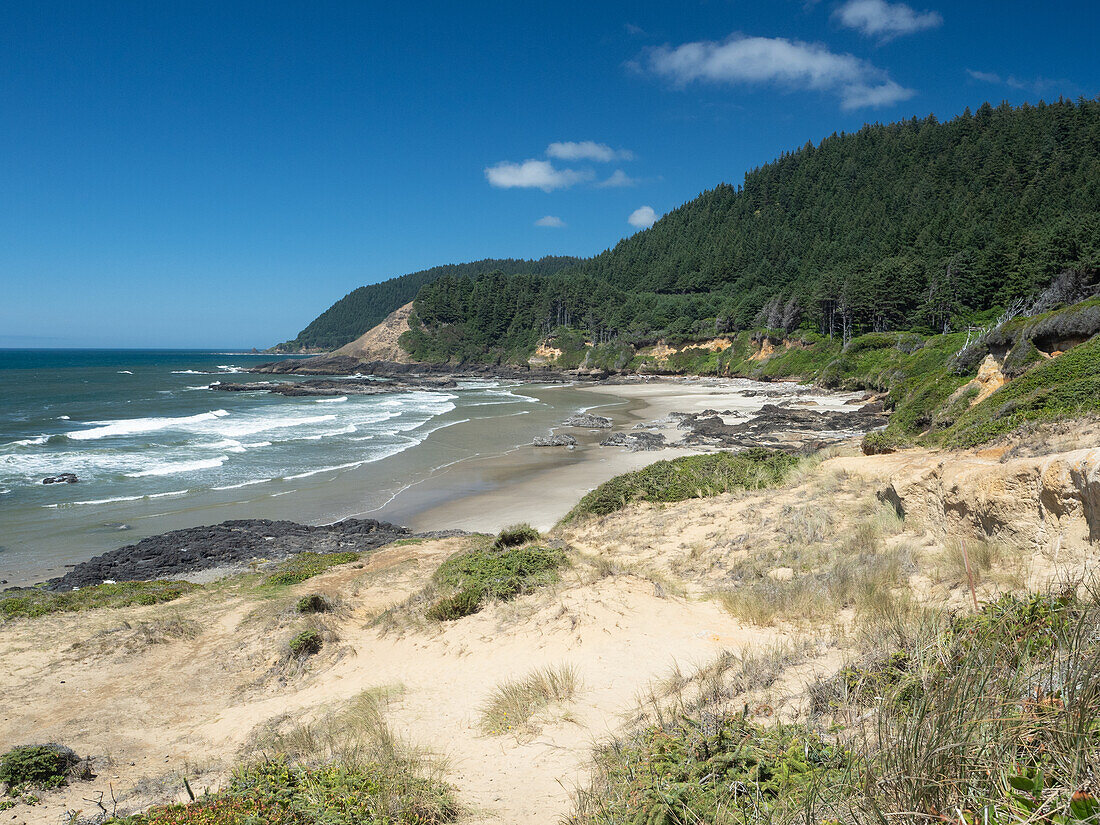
x=596, y=422
x=554, y=441
x=636, y=442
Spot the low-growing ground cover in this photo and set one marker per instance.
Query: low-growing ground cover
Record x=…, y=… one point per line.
x=275, y=792
x=302, y=566
x=693, y=476
x=981, y=717
x=467, y=581
x=34, y=601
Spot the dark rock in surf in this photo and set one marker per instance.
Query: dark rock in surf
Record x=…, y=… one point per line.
x=64, y=478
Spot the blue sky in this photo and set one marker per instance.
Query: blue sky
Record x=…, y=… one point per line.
x=216, y=174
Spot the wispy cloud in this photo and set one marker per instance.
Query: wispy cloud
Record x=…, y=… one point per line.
x=587, y=150
x=1036, y=85
x=550, y=221
x=533, y=174
x=643, y=217
x=777, y=60
x=877, y=18
x=617, y=178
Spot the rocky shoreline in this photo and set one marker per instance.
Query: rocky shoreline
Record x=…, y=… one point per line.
x=335, y=387
x=780, y=427
x=230, y=545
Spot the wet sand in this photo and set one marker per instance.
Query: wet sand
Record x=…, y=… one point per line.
x=539, y=485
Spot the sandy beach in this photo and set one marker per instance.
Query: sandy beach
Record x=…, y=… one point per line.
x=526, y=485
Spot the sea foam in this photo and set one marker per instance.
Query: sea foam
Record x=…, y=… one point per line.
x=175, y=467
x=133, y=426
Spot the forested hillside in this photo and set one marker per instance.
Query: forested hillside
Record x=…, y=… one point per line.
x=367, y=306
x=914, y=225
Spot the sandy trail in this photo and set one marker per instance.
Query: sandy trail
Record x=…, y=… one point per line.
x=188, y=707
x=159, y=693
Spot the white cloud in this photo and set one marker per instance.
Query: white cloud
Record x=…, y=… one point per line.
x=984, y=77
x=643, y=217
x=877, y=18
x=1038, y=85
x=533, y=174
x=792, y=63
x=618, y=178
x=552, y=221
x=586, y=150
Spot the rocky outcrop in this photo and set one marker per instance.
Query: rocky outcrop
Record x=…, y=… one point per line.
x=561, y=440
x=330, y=387
x=63, y=478
x=636, y=442
x=780, y=427
x=1034, y=502
x=228, y=544
x=592, y=422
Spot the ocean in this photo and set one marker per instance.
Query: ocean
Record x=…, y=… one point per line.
x=155, y=449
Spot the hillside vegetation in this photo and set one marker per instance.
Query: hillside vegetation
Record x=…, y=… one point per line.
x=917, y=225
x=367, y=306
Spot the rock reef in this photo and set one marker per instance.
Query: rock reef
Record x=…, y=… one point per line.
x=781, y=428
x=229, y=544
x=336, y=388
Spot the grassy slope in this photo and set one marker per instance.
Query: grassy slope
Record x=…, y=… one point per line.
x=920, y=373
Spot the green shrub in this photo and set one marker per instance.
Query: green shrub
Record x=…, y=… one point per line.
x=1062, y=387
x=302, y=566
x=992, y=716
x=1017, y=627
x=465, y=602
x=277, y=793
x=306, y=643
x=516, y=535
x=881, y=442
x=42, y=766
x=692, y=476
x=313, y=603
x=34, y=601
x=469, y=580
x=702, y=769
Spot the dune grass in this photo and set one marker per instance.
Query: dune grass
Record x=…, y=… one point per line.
x=345, y=768
x=302, y=566
x=512, y=704
x=987, y=717
x=34, y=601
x=511, y=565
x=694, y=476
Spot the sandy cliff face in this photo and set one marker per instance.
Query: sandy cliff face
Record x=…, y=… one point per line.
x=380, y=342
x=1046, y=502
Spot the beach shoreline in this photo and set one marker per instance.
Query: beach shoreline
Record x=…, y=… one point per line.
x=492, y=482
x=541, y=497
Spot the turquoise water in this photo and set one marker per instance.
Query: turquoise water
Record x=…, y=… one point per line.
x=156, y=449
